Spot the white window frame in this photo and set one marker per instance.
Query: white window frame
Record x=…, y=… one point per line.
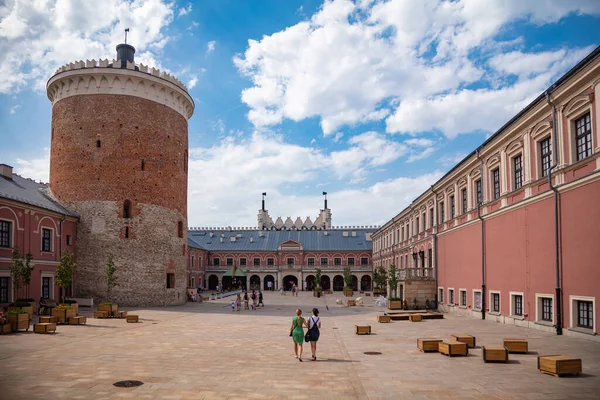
x=11, y=295
x=47, y=274
x=451, y=297
x=52, y=240
x=441, y=294
x=572, y=117
x=192, y=261
x=11, y=238
x=460, y=292
x=513, y=303
x=539, y=307
x=491, y=302
x=573, y=312
x=473, y=299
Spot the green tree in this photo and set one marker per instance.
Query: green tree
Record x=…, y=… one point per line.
x=26, y=271
x=16, y=271
x=111, y=279
x=318, y=280
x=347, y=277
x=380, y=277
x=64, y=271
x=393, y=280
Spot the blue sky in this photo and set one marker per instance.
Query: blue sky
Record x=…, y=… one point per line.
x=371, y=101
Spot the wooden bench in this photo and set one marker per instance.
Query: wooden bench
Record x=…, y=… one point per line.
x=428, y=344
x=416, y=318
x=4, y=329
x=351, y=303
x=101, y=314
x=48, y=319
x=44, y=327
x=559, y=365
x=78, y=320
x=384, y=318
x=362, y=329
x=119, y=314
x=453, y=348
x=132, y=318
x=495, y=353
x=516, y=345
x=468, y=339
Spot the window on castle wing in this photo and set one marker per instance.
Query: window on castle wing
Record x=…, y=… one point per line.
x=452, y=207
x=463, y=194
x=180, y=229
x=230, y=261
x=46, y=240
x=518, y=172
x=364, y=261
x=479, y=191
x=257, y=261
x=5, y=234
x=496, y=183
x=242, y=261
x=170, y=281
x=270, y=261
x=337, y=261
x=311, y=261
x=126, y=209
x=350, y=260
x=583, y=137
x=323, y=261
x=290, y=261
x=546, y=156
x=216, y=261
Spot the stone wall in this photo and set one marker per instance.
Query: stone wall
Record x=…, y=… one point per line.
x=421, y=290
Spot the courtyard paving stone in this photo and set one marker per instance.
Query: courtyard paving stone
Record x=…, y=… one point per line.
x=206, y=351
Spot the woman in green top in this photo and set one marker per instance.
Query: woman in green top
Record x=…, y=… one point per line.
x=297, y=333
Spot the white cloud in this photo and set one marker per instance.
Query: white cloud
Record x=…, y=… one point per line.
x=419, y=142
x=192, y=82
x=185, y=10
x=210, y=46
x=13, y=109
x=349, y=62
x=420, y=155
x=338, y=136
x=37, y=169
x=37, y=37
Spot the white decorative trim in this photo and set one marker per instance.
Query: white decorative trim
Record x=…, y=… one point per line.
x=451, y=298
x=539, y=306
x=119, y=81
x=512, y=304
x=460, y=291
x=16, y=217
x=491, y=303
x=441, y=289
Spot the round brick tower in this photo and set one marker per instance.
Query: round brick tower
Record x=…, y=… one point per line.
x=119, y=153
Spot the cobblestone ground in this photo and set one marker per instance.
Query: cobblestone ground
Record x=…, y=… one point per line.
x=206, y=351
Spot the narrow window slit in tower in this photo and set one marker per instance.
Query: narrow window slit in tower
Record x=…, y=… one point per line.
x=126, y=209
x=126, y=232
x=98, y=143
x=143, y=165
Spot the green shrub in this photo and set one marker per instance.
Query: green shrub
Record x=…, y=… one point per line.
x=106, y=303
x=13, y=312
x=25, y=300
x=394, y=299
x=63, y=307
x=19, y=304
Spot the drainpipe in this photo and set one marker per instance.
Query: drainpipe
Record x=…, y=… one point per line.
x=435, y=263
x=483, y=305
x=556, y=244
x=60, y=248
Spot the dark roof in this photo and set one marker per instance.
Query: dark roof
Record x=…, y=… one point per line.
x=265, y=240
x=542, y=97
x=30, y=192
x=191, y=243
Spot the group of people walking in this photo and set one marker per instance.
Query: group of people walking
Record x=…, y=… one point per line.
x=237, y=304
x=312, y=334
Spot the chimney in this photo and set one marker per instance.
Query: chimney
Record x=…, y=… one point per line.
x=6, y=171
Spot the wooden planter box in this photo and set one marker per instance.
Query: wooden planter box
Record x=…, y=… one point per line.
x=109, y=309
x=453, y=348
x=18, y=322
x=368, y=294
x=100, y=314
x=75, y=307
x=384, y=318
x=416, y=317
x=120, y=314
x=559, y=365
x=428, y=344
x=63, y=315
x=495, y=353
x=44, y=327
x=516, y=345
x=362, y=329
x=395, y=304
x=132, y=318
x=48, y=320
x=29, y=310
x=77, y=320
x=5, y=329
x=468, y=339
x=348, y=293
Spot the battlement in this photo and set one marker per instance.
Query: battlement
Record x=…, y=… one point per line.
x=116, y=64
x=250, y=228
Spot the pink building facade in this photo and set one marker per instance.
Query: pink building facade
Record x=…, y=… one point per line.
x=493, y=239
x=196, y=266
x=32, y=222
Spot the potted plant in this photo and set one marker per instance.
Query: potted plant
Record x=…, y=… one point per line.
x=348, y=292
x=63, y=312
x=111, y=279
x=21, y=305
x=380, y=280
x=73, y=304
x=317, y=291
x=394, y=302
x=64, y=272
x=18, y=319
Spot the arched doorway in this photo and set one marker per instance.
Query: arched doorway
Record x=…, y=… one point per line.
x=288, y=281
x=254, y=282
x=365, y=283
x=227, y=283
x=213, y=281
x=269, y=278
x=310, y=282
x=325, y=282
x=338, y=283
x=234, y=283
x=354, y=284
